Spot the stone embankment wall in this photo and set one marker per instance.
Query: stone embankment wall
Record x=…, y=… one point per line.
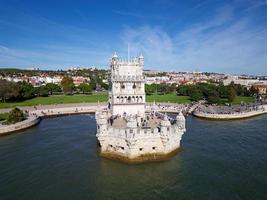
x=64, y=111
x=201, y=114
x=35, y=116
x=38, y=112
x=31, y=121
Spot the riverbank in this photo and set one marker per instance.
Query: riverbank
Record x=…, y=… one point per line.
x=71, y=99
x=36, y=113
x=94, y=98
x=32, y=120
x=251, y=112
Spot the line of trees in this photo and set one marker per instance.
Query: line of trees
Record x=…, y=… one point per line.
x=215, y=93
x=22, y=90
x=160, y=88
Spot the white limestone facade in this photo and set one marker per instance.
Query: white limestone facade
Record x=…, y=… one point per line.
x=125, y=131
x=127, y=92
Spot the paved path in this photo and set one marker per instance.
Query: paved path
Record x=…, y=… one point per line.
x=231, y=115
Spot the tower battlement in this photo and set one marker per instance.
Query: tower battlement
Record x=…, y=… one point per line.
x=125, y=130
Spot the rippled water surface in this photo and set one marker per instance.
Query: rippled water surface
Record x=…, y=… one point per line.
x=57, y=160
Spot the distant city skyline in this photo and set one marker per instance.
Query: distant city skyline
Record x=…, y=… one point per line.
x=208, y=35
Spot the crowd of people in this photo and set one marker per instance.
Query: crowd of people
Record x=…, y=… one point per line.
x=231, y=109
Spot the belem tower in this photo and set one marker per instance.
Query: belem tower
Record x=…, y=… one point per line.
x=125, y=131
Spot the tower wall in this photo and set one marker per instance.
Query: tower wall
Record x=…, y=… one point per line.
x=124, y=130
x=127, y=86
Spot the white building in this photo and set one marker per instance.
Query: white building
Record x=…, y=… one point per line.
x=245, y=82
x=125, y=131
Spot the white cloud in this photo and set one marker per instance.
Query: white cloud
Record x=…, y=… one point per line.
x=220, y=44
x=145, y=39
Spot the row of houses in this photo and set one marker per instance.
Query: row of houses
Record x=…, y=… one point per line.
x=184, y=78
x=38, y=81
x=261, y=85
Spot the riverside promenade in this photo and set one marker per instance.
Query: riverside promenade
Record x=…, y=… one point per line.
x=229, y=113
x=36, y=113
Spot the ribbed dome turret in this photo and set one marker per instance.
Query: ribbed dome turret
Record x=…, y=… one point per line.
x=131, y=122
x=165, y=121
x=180, y=117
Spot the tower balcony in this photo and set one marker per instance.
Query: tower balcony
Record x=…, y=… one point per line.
x=129, y=103
x=128, y=99
x=118, y=78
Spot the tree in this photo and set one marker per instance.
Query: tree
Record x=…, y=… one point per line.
x=42, y=91
x=253, y=91
x=149, y=89
x=183, y=90
x=8, y=90
x=195, y=93
x=53, y=88
x=171, y=88
x=231, y=93
x=213, y=98
x=67, y=85
x=222, y=90
x=26, y=90
x=15, y=115
x=93, y=84
x=85, y=88
x=162, y=88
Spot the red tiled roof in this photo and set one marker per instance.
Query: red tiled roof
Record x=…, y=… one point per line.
x=260, y=86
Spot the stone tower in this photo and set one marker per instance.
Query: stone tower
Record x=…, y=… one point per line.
x=125, y=131
x=127, y=95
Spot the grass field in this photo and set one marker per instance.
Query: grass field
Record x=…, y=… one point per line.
x=238, y=100
x=171, y=98
x=61, y=99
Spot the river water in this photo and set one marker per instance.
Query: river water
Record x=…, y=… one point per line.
x=57, y=160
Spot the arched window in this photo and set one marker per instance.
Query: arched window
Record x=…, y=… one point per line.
x=134, y=86
x=122, y=86
x=129, y=99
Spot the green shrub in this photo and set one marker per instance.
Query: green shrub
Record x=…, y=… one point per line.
x=15, y=115
x=3, y=116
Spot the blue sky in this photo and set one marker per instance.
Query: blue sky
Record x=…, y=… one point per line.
x=208, y=35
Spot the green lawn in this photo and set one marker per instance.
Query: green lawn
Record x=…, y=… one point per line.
x=238, y=100
x=61, y=99
x=172, y=98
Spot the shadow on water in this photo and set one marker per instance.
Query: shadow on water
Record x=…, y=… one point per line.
x=57, y=160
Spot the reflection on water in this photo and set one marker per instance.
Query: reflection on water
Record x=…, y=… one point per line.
x=57, y=160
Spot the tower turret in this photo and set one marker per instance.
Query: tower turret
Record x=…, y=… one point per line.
x=180, y=121
x=131, y=122
x=141, y=61
x=114, y=61
x=101, y=119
